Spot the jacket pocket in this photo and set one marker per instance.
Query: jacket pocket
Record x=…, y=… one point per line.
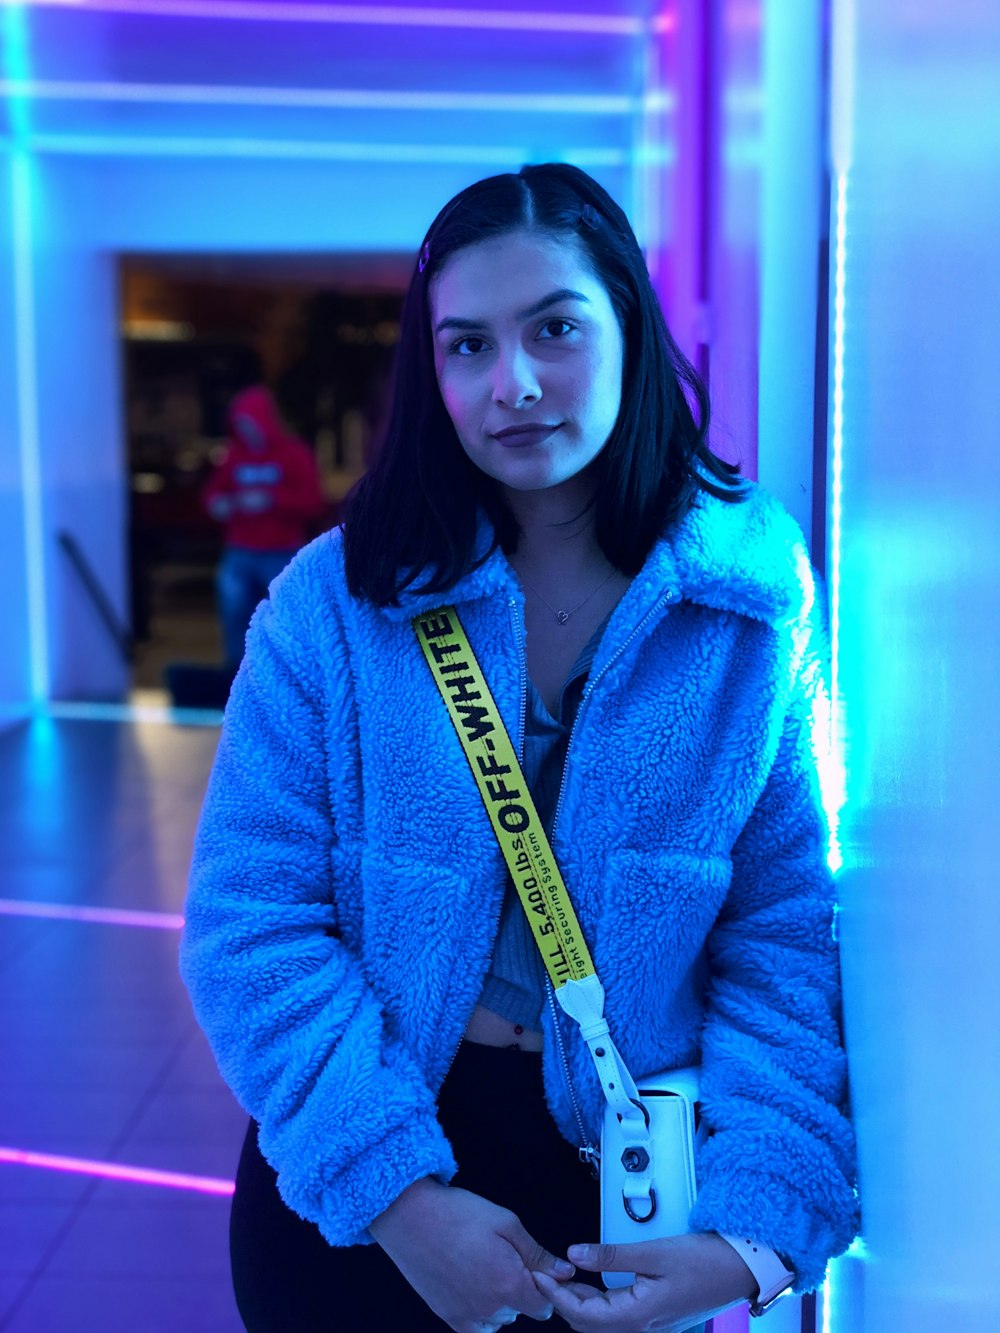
x=658, y=908
x=426, y=935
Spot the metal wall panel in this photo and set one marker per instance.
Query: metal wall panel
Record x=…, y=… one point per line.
x=915, y=526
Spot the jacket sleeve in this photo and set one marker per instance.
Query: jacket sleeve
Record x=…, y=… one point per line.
x=779, y=1164
x=218, y=482
x=346, y=1117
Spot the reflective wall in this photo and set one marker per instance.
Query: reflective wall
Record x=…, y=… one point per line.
x=917, y=547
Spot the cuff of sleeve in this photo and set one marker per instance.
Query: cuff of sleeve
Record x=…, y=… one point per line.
x=807, y=1229
x=349, y=1200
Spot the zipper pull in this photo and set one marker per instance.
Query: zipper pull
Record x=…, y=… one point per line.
x=591, y=1156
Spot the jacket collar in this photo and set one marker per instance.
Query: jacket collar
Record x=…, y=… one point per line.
x=747, y=557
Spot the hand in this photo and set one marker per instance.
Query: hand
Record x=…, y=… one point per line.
x=254, y=500
x=471, y=1261
x=679, y=1281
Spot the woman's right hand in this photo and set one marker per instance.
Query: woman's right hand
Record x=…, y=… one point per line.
x=470, y=1260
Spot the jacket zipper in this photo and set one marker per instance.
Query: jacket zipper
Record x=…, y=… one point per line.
x=523, y=659
x=588, y=1153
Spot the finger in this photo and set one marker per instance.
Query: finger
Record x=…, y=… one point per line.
x=639, y=1257
x=579, y=1292
x=536, y=1257
x=540, y=1312
x=532, y=1300
x=584, y=1308
x=534, y=1303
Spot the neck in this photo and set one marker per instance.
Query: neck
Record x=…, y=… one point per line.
x=557, y=527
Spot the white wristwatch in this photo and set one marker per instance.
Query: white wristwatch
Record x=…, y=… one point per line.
x=774, y=1278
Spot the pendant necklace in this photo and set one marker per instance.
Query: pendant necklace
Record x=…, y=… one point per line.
x=563, y=616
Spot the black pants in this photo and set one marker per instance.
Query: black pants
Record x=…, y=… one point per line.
x=289, y=1280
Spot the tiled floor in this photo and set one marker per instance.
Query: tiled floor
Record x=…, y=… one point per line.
x=100, y=1058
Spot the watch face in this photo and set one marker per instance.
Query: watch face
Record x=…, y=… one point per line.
x=766, y=1299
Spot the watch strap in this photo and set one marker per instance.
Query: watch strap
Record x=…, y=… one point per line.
x=774, y=1277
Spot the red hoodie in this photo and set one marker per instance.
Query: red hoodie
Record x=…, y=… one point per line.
x=267, y=496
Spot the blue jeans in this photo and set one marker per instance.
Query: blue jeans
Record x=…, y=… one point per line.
x=241, y=581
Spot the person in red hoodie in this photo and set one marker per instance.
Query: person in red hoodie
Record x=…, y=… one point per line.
x=267, y=492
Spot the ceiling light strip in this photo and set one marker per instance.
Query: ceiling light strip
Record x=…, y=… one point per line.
x=394, y=16
x=99, y=145
x=363, y=99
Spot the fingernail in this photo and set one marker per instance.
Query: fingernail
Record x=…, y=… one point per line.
x=581, y=1253
x=563, y=1269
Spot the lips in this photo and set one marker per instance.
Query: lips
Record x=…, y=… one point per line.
x=525, y=432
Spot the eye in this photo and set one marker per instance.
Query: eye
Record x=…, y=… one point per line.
x=555, y=328
x=469, y=346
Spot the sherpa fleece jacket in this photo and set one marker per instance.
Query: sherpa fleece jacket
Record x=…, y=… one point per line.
x=346, y=884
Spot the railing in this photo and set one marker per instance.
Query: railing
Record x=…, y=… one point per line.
x=107, y=614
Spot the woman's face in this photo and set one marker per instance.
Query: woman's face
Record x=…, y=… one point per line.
x=529, y=355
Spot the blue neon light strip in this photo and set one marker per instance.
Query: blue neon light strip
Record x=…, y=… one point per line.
x=22, y=168
x=837, y=452
x=365, y=99
x=646, y=145
x=16, y=65
x=17, y=69
x=834, y=558
x=395, y=16
x=122, y=146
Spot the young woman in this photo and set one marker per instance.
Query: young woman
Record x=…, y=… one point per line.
x=646, y=622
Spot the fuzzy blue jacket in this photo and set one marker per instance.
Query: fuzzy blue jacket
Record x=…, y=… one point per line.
x=346, y=884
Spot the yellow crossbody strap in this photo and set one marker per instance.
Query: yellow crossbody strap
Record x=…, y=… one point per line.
x=533, y=868
x=497, y=772
x=540, y=887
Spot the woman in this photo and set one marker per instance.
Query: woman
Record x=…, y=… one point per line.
x=364, y=975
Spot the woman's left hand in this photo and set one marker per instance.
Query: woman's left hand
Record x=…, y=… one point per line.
x=680, y=1281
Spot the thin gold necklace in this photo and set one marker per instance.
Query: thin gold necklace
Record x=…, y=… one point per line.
x=563, y=616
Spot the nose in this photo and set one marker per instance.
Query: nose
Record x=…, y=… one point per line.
x=515, y=383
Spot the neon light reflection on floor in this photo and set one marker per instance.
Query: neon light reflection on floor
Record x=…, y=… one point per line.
x=105, y=916
x=135, y=1175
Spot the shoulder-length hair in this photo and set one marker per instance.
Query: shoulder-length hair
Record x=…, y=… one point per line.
x=415, y=514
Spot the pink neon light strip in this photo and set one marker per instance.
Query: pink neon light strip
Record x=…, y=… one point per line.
x=136, y=1175
x=266, y=11
x=105, y=916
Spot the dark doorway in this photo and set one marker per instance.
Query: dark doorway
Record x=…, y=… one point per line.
x=319, y=331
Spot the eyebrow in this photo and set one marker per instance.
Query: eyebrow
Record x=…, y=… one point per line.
x=553, y=298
